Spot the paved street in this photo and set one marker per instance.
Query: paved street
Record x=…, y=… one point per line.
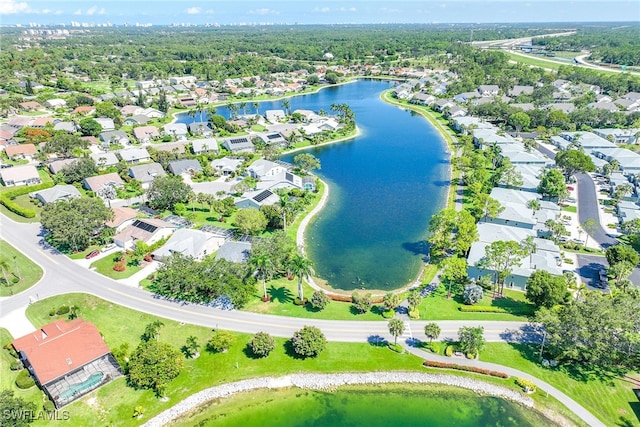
x=589, y=266
x=588, y=209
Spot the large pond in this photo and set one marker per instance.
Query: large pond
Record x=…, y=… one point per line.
x=390, y=405
x=384, y=187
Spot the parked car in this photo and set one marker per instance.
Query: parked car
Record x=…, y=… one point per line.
x=108, y=247
x=570, y=188
x=92, y=254
x=578, y=241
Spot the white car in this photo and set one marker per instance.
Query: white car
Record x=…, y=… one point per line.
x=108, y=247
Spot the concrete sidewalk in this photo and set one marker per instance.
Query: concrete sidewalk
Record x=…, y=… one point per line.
x=135, y=279
x=16, y=323
x=543, y=386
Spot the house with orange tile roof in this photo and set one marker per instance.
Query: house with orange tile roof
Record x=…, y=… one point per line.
x=67, y=359
x=22, y=151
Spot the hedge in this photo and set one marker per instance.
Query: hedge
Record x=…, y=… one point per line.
x=455, y=366
x=24, y=380
x=527, y=385
x=6, y=199
x=481, y=309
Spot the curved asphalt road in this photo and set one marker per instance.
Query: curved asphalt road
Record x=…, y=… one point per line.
x=63, y=275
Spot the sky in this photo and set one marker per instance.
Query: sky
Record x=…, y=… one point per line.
x=160, y=12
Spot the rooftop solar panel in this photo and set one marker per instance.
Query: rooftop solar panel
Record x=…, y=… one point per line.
x=260, y=197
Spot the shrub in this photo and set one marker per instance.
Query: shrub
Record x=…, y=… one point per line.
x=48, y=406
x=414, y=314
x=448, y=351
x=395, y=347
x=470, y=355
x=16, y=365
x=299, y=301
x=445, y=365
x=308, y=342
x=527, y=385
x=338, y=297
x=388, y=314
x=319, y=300
x=63, y=309
x=262, y=344
x=472, y=294
x=11, y=350
x=220, y=341
x=481, y=309
x=14, y=280
x=52, y=312
x=148, y=258
x=24, y=380
x=119, y=266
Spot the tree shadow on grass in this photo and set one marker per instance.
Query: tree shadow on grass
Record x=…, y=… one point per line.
x=289, y=351
x=513, y=306
x=377, y=341
x=281, y=294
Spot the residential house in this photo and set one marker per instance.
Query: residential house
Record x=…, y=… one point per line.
x=275, y=116
x=41, y=122
x=187, y=166
x=69, y=127
x=57, y=165
x=146, y=173
x=207, y=145
x=30, y=106
x=443, y=104
x=55, y=103
x=422, y=98
x=200, y=129
x=171, y=147
x=56, y=193
x=261, y=168
x=227, y=165
x=237, y=252
x=22, y=151
x=106, y=123
x=195, y=244
x=520, y=90
x=61, y=355
x=136, y=120
x=146, y=134
x=176, y=130
x=256, y=199
x=105, y=159
x=239, y=144
x=20, y=175
x=114, y=137
x=619, y=136
x=122, y=218
x=135, y=155
x=147, y=230
x=488, y=90
x=182, y=80
x=104, y=185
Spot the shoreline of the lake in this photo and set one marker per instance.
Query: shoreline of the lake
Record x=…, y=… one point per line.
x=328, y=382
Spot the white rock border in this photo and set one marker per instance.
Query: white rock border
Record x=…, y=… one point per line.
x=331, y=381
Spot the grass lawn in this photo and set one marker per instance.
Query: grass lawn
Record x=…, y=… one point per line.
x=570, y=209
x=436, y=306
x=8, y=377
x=113, y=404
x=549, y=63
x=105, y=265
x=609, y=398
x=27, y=272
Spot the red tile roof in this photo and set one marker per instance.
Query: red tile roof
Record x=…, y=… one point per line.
x=61, y=347
x=24, y=149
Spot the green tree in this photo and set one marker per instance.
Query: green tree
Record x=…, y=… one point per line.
x=90, y=127
x=621, y=253
x=556, y=228
x=152, y=331
x=620, y=272
x=78, y=170
x=220, y=341
x=319, y=300
x=519, y=120
x=414, y=299
x=308, y=342
x=545, y=289
x=589, y=226
x=262, y=344
x=72, y=223
x=300, y=267
x=572, y=161
x=192, y=347
x=277, y=247
x=16, y=412
x=621, y=192
x=432, y=331
x=441, y=227
x=265, y=269
x=453, y=272
x=552, y=184
x=165, y=191
x=466, y=232
x=250, y=221
x=396, y=328
x=362, y=303
x=306, y=162
x=391, y=300
x=501, y=257
x=471, y=339
x=65, y=145
x=153, y=365
x=631, y=227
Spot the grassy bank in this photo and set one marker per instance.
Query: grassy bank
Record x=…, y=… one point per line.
x=17, y=267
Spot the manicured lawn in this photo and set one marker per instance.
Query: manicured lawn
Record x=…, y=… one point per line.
x=113, y=404
x=609, y=398
x=436, y=306
x=292, y=229
x=570, y=209
x=8, y=377
x=551, y=64
x=27, y=271
x=105, y=265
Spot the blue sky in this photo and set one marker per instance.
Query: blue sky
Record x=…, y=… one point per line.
x=316, y=11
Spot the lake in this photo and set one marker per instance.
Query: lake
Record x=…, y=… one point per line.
x=384, y=187
x=388, y=405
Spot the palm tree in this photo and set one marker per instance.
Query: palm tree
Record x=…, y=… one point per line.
x=432, y=331
x=590, y=225
x=534, y=205
x=256, y=106
x=300, y=266
x=243, y=107
x=265, y=267
x=396, y=328
x=286, y=105
x=15, y=264
x=4, y=265
x=233, y=110
x=284, y=205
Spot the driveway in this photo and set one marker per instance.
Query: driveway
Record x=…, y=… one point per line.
x=589, y=265
x=588, y=208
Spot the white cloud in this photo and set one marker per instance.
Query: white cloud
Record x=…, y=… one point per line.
x=209, y=12
x=10, y=7
x=264, y=11
x=193, y=10
x=322, y=9
x=78, y=12
x=347, y=9
x=92, y=10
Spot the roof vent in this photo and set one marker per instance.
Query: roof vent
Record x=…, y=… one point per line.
x=69, y=361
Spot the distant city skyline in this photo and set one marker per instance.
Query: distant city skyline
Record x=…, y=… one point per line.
x=251, y=12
